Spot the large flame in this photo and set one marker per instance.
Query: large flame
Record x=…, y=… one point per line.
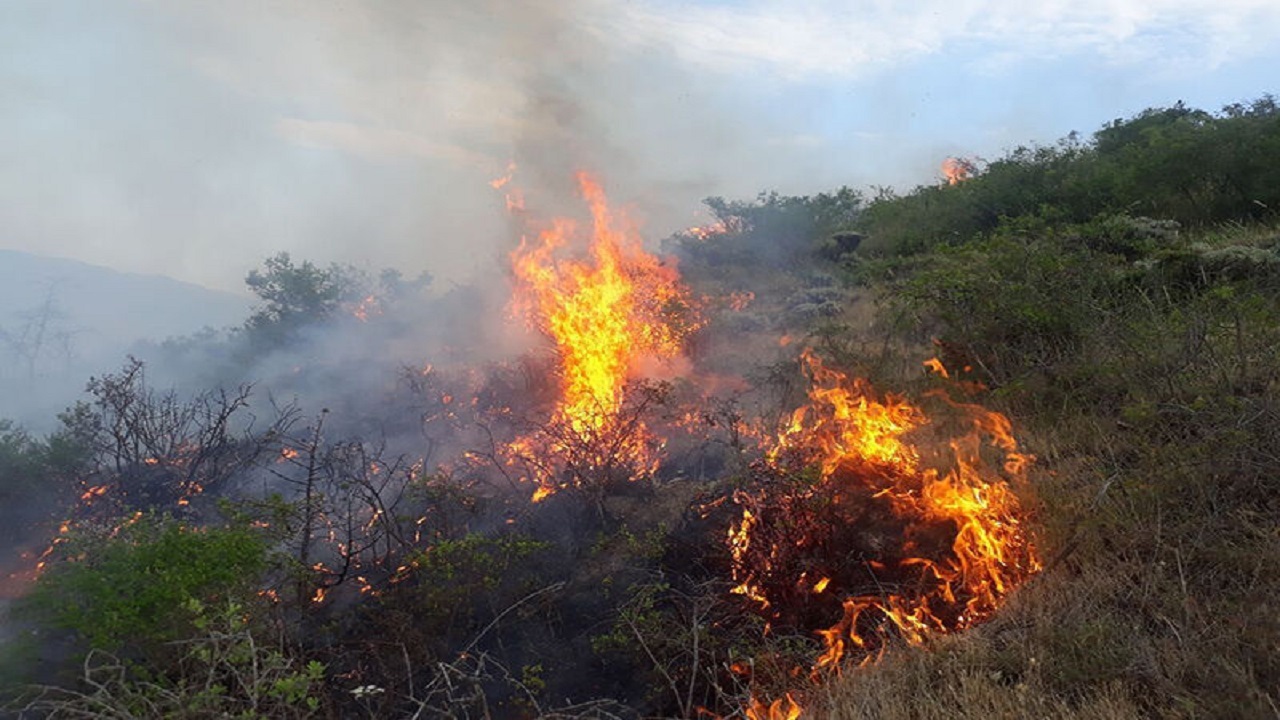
x=887, y=539
x=609, y=315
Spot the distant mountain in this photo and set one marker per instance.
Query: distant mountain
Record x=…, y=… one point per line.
x=61, y=320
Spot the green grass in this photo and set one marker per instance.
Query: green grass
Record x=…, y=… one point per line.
x=1156, y=429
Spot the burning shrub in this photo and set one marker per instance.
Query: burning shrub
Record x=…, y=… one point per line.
x=612, y=319
x=594, y=458
x=845, y=520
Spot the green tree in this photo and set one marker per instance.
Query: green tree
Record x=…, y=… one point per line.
x=297, y=295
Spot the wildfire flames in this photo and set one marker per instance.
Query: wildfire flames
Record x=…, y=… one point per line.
x=865, y=521
x=610, y=317
x=781, y=709
x=957, y=169
x=884, y=537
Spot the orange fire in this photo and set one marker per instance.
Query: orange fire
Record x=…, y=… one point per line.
x=702, y=232
x=781, y=709
x=739, y=300
x=937, y=535
x=367, y=308
x=611, y=316
x=956, y=169
x=514, y=196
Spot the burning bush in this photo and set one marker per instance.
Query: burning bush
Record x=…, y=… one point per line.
x=623, y=312
x=849, y=520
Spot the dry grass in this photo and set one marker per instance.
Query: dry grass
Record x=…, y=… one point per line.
x=1158, y=495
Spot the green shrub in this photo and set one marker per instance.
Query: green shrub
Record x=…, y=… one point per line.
x=224, y=671
x=135, y=586
x=1006, y=305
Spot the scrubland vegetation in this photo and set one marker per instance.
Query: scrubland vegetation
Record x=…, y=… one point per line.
x=231, y=552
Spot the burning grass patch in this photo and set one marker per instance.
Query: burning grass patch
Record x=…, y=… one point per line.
x=848, y=521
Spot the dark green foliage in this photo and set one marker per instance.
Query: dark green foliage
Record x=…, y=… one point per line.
x=773, y=229
x=451, y=574
x=1175, y=163
x=133, y=587
x=450, y=589
x=224, y=671
x=295, y=296
x=1007, y=305
x=22, y=462
x=35, y=475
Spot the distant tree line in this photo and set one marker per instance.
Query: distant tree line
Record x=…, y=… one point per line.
x=1175, y=163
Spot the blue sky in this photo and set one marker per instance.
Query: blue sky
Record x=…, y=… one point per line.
x=193, y=139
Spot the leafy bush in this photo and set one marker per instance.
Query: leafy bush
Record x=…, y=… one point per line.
x=222, y=672
x=1006, y=305
x=135, y=585
x=1174, y=163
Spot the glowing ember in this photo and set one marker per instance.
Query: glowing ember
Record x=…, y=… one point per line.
x=935, y=366
x=738, y=301
x=702, y=232
x=907, y=542
x=514, y=196
x=367, y=308
x=957, y=169
x=93, y=492
x=611, y=317
x=500, y=182
x=781, y=709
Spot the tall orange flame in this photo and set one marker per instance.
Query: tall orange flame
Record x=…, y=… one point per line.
x=607, y=315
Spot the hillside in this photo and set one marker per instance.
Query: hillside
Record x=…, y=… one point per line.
x=1001, y=448
x=62, y=320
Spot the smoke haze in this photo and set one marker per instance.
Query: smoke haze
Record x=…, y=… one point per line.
x=194, y=139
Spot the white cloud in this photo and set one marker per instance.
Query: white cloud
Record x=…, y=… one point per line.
x=826, y=38
x=143, y=121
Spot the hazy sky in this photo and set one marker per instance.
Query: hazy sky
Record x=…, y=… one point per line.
x=195, y=138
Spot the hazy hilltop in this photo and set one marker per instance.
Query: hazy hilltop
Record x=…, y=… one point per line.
x=63, y=319
x=999, y=447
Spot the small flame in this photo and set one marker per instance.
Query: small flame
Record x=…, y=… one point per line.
x=500, y=182
x=702, y=232
x=514, y=195
x=88, y=495
x=936, y=367
x=781, y=709
x=738, y=301
x=956, y=170
x=367, y=308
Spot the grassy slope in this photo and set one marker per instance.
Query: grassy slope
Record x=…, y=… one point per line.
x=1155, y=413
